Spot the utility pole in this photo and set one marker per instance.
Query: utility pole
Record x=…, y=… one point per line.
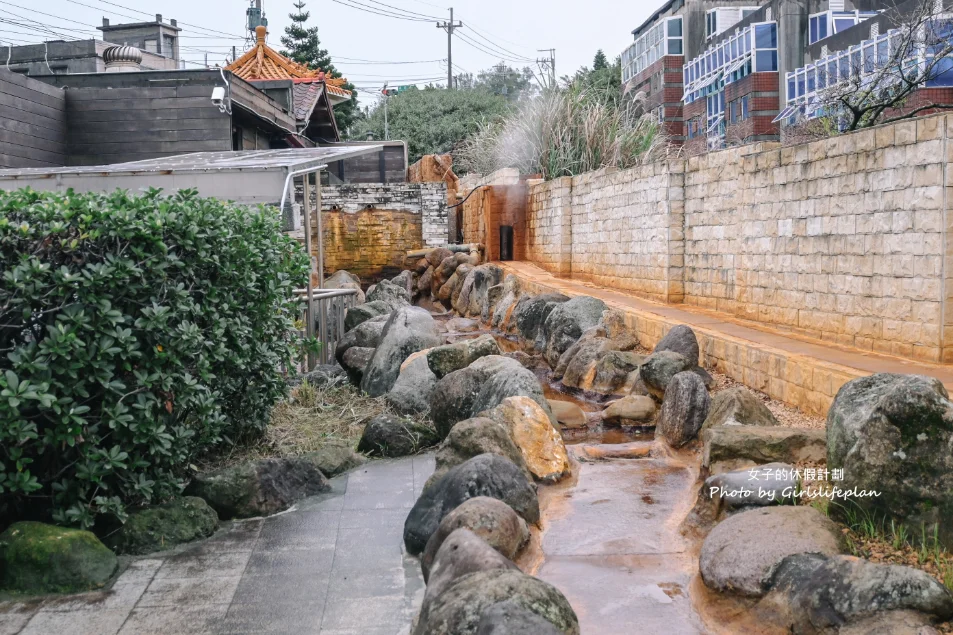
x=450, y=27
x=386, y=127
x=550, y=62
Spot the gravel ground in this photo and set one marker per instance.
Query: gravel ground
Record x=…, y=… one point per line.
x=786, y=415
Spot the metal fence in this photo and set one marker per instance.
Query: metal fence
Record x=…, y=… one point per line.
x=324, y=318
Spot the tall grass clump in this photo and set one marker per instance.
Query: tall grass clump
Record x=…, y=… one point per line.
x=564, y=132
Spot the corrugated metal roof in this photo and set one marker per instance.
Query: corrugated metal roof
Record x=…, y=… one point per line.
x=257, y=160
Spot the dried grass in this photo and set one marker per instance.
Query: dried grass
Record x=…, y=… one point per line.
x=310, y=418
x=565, y=132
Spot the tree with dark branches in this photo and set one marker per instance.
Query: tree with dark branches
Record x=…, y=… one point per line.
x=304, y=47
x=881, y=82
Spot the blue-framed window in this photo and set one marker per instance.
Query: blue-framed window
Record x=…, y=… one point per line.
x=827, y=23
x=861, y=64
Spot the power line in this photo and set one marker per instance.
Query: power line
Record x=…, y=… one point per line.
x=427, y=17
x=497, y=46
x=354, y=4
x=132, y=17
x=483, y=49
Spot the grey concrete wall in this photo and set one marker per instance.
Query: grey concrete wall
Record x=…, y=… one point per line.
x=32, y=123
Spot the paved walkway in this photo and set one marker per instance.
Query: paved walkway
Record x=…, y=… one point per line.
x=333, y=566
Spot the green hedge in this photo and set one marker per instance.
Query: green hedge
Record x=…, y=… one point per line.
x=135, y=333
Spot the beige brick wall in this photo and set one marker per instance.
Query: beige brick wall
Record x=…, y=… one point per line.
x=842, y=239
x=616, y=228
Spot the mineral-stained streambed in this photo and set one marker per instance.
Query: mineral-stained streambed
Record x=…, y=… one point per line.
x=610, y=536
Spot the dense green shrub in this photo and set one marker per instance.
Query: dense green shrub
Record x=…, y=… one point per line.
x=135, y=332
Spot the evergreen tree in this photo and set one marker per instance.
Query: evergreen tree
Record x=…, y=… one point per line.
x=304, y=47
x=600, y=63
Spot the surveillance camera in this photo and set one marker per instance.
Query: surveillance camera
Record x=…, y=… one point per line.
x=218, y=96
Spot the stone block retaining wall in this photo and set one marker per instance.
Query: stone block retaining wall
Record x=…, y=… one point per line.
x=844, y=239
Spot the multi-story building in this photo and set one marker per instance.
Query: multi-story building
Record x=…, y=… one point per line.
x=859, y=50
x=679, y=30
x=719, y=81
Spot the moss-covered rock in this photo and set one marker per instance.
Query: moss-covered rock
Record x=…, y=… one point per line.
x=40, y=558
x=335, y=457
x=165, y=526
x=390, y=436
x=259, y=488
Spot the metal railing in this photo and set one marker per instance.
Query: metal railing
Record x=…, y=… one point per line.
x=325, y=315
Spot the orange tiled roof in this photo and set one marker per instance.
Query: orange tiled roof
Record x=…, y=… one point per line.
x=262, y=62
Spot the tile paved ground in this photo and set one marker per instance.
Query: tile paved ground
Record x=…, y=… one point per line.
x=332, y=566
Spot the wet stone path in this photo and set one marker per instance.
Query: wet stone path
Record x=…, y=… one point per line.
x=334, y=565
x=611, y=544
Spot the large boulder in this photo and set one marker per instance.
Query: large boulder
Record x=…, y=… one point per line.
x=535, y=435
x=405, y=280
x=727, y=448
x=462, y=553
x=461, y=275
x=460, y=608
x=395, y=294
x=482, y=385
x=473, y=437
x=893, y=434
x=446, y=359
x=335, y=457
x=445, y=270
x=462, y=325
x=473, y=297
x=723, y=494
x=503, y=310
x=492, y=520
x=744, y=549
x=613, y=370
x=584, y=342
x=355, y=361
x=819, y=594
x=367, y=334
x=164, y=526
x=738, y=406
x=258, y=488
x=684, y=409
x=390, y=436
x=580, y=370
x=409, y=329
x=414, y=386
x=634, y=410
x=322, y=375
x=484, y=475
x=342, y=279
x=680, y=339
x=566, y=324
x=658, y=369
x=530, y=314
x=568, y=414
x=361, y=313
x=509, y=618
x=40, y=558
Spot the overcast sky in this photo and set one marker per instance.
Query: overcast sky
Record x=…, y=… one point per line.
x=575, y=30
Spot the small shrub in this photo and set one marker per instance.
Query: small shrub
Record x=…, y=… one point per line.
x=135, y=333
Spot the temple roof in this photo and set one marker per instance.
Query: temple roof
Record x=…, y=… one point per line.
x=262, y=63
